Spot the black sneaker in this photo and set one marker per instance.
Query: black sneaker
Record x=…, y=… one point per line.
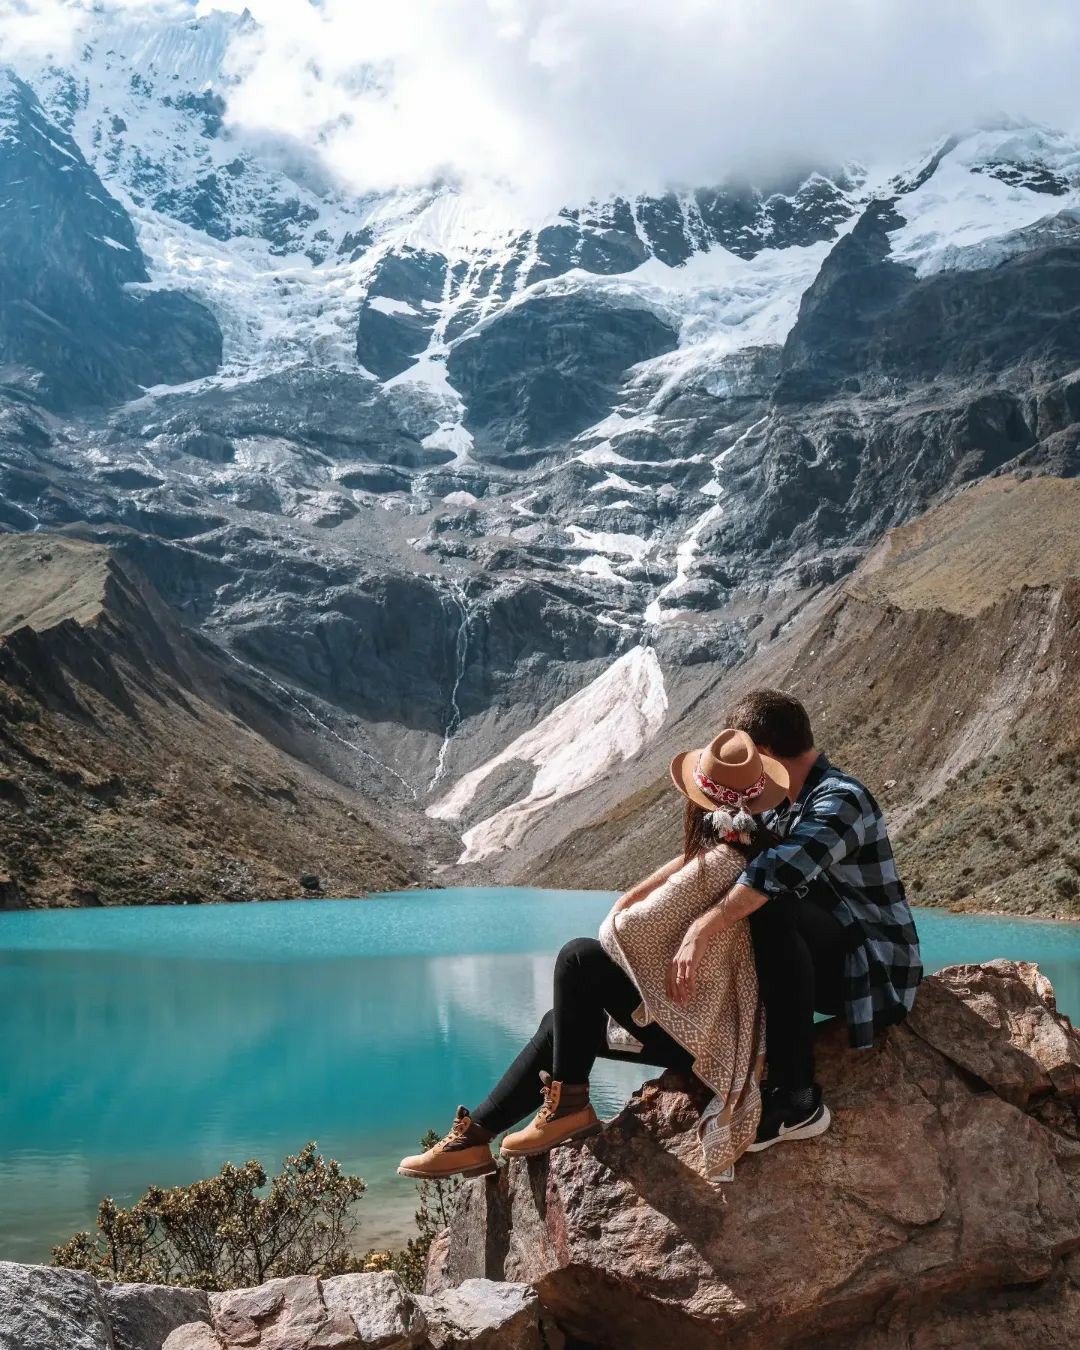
x=780, y=1121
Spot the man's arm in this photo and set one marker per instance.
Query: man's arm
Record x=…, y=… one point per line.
x=831, y=828
x=737, y=904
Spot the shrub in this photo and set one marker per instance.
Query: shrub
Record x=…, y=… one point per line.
x=436, y=1206
x=1066, y=885
x=221, y=1233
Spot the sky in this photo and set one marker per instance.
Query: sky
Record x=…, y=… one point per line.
x=565, y=99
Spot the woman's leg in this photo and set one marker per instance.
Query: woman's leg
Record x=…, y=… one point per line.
x=588, y=986
x=517, y=1093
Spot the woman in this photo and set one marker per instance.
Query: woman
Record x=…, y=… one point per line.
x=676, y=978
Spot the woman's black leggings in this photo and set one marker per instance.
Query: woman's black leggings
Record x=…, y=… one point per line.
x=799, y=950
x=588, y=986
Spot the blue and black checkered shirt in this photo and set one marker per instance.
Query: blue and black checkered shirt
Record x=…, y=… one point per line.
x=834, y=849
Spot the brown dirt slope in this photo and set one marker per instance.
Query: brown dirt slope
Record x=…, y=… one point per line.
x=131, y=769
x=946, y=677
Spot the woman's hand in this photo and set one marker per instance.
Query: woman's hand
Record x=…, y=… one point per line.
x=682, y=973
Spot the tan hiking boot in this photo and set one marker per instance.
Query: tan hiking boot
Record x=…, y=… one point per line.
x=565, y=1115
x=464, y=1152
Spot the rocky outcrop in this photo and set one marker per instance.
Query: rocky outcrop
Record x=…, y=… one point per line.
x=74, y=327
x=942, y=1208
x=139, y=764
x=44, y=1308
x=546, y=368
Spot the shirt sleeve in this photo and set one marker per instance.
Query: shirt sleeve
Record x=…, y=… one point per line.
x=831, y=828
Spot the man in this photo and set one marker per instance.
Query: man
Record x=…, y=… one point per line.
x=831, y=926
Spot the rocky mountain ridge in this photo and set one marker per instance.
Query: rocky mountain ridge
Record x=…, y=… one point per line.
x=421, y=433
x=138, y=764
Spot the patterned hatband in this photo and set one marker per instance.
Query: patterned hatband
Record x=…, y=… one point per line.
x=725, y=796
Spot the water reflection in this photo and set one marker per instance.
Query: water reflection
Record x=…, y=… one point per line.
x=121, y=1071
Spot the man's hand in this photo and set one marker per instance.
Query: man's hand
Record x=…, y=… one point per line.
x=682, y=973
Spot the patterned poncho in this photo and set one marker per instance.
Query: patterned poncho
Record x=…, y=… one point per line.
x=723, y=1024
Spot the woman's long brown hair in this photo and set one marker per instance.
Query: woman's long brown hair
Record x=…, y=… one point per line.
x=698, y=835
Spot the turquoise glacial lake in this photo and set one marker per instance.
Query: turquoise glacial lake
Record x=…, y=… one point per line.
x=150, y=1045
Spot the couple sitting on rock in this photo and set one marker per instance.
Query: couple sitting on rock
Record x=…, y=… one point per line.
x=785, y=902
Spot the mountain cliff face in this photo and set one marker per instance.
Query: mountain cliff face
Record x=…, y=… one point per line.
x=73, y=331
x=140, y=765
x=437, y=468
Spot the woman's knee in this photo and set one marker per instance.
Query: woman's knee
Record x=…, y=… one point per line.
x=545, y=1032
x=578, y=953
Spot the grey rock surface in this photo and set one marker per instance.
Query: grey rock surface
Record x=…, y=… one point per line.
x=141, y=1316
x=192, y=1336
x=482, y=1314
x=384, y=1313
x=42, y=1308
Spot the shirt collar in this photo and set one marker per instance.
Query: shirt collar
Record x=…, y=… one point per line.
x=818, y=771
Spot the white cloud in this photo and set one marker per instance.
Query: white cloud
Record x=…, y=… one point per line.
x=565, y=98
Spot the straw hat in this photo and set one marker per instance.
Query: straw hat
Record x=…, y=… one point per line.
x=730, y=774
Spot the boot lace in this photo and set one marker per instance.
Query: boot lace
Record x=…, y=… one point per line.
x=456, y=1132
x=551, y=1102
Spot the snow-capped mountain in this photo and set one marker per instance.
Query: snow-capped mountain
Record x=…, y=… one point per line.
x=434, y=467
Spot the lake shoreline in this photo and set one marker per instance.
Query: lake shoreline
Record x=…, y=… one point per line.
x=1017, y=915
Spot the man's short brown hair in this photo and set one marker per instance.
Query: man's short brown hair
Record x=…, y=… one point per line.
x=774, y=721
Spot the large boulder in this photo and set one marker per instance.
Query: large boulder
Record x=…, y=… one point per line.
x=42, y=1308
x=941, y=1209
x=488, y=1315
x=385, y=1315
x=140, y=1316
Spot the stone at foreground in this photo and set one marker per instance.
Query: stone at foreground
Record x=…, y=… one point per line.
x=380, y=1307
x=44, y=1309
x=371, y=1311
x=140, y=1316
x=486, y=1315
x=942, y=1208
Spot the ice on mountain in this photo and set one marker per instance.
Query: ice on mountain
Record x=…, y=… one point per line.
x=578, y=743
x=384, y=305
x=596, y=565
x=655, y=611
x=955, y=217
x=614, y=482
x=599, y=541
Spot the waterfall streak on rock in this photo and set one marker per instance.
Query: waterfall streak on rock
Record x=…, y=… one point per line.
x=297, y=702
x=461, y=651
